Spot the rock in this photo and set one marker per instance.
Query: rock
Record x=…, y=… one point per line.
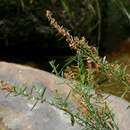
x=15, y=111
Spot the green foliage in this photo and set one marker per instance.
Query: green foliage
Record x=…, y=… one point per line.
x=93, y=112
x=93, y=73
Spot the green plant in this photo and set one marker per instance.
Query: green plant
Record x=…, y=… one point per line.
x=88, y=56
x=92, y=72
x=91, y=111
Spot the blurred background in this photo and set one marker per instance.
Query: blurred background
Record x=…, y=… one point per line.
x=26, y=36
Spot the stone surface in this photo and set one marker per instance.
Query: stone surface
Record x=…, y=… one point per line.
x=16, y=114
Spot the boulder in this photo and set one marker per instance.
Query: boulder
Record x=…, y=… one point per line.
x=16, y=113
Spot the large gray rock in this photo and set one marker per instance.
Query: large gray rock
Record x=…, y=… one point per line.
x=16, y=114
